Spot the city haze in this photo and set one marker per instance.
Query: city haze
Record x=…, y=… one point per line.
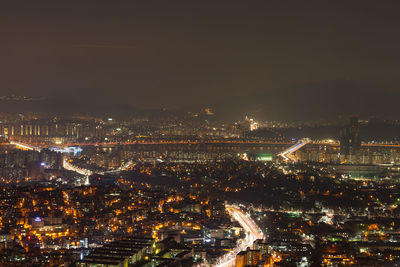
x=313, y=60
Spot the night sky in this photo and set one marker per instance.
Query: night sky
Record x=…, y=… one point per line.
x=281, y=59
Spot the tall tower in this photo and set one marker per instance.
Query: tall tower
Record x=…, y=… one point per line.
x=350, y=141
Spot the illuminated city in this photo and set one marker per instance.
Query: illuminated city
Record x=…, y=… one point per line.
x=203, y=134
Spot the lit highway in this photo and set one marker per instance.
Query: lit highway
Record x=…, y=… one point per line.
x=288, y=153
x=68, y=166
x=246, y=222
x=24, y=146
x=253, y=232
x=179, y=142
x=124, y=167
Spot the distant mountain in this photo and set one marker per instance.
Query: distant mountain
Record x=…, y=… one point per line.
x=312, y=101
x=323, y=100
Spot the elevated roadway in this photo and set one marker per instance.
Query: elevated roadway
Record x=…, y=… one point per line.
x=288, y=154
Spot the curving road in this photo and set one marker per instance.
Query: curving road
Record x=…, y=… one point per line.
x=253, y=232
x=288, y=153
x=71, y=167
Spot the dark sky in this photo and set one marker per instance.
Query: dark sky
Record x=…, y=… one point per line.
x=193, y=53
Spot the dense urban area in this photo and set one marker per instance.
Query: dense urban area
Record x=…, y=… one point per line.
x=189, y=190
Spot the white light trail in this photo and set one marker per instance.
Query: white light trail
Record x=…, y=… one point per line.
x=253, y=232
x=24, y=146
x=288, y=153
x=70, y=167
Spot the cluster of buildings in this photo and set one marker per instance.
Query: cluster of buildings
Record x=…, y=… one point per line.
x=259, y=255
x=24, y=166
x=53, y=132
x=94, y=225
x=327, y=238
x=167, y=207
x=350, y=157
x=136, y=251
x=44, y=129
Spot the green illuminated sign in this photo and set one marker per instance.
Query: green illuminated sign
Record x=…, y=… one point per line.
x=264, y=157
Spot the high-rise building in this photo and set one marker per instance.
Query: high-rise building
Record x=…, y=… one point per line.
x=250, y=257
x=350, y=141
